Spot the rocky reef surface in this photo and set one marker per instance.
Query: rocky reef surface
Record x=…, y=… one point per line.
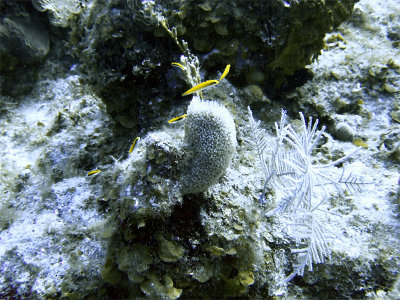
x=102, y=197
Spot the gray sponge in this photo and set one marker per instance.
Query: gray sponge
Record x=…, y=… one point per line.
x=210, y=141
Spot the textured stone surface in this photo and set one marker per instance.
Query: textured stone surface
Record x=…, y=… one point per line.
x=24, y=43
x=127, y=232
x=24, y=38
x=127, y=54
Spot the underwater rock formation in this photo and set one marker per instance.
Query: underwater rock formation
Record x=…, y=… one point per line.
x=24, y=43
x=85, y=212
x=25, y=39
x=61, y=13
x=126, y=51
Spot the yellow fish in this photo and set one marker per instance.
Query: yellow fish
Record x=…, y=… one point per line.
x=178, y=65
x=201, y=86
x=205, y=84
x=177, y=118
x=93, y=172
x=227, y=68
x=134, y=144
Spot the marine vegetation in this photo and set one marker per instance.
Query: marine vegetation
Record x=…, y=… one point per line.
x=303, y=185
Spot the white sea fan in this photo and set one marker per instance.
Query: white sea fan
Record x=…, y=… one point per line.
x=289, y=168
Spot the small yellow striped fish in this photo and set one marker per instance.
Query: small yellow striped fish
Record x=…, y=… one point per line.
x=227, y=68
x=201, y=86
x=93, y=172
x=177, y=118
x=134, y=144
x=174, y=64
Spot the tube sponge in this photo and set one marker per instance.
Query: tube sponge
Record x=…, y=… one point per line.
x=210, y=141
